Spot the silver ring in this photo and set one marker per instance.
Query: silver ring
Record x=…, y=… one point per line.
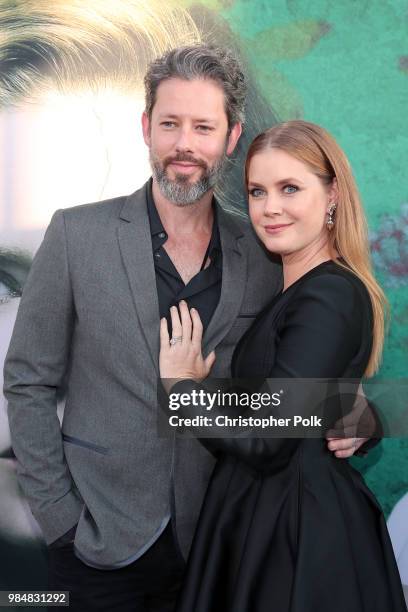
x=175, y=340
x=354, y=443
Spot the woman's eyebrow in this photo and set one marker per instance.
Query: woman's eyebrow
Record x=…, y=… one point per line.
x=284, y=181
x=289, y=181
x=253, y=184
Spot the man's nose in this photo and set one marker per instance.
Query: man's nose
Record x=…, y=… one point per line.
x=185, y=140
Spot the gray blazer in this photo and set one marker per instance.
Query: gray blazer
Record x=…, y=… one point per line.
x=89, y=322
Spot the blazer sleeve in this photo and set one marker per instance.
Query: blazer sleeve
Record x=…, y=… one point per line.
x=34, y=370
x=319, y=336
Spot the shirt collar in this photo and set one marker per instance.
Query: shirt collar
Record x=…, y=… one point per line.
x=156, y=226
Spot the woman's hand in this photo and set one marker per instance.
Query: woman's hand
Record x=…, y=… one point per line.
x=183, y=357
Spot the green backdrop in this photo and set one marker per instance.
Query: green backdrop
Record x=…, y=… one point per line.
x=344, y=65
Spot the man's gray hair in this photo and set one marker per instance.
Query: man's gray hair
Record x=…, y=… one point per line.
x=201, y=62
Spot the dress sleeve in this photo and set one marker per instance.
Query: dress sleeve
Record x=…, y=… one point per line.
x=318, y=337
x=321, y=331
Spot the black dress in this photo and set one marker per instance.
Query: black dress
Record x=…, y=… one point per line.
x=286, y=526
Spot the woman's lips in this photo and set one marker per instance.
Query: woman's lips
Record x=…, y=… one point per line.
x=276, y=229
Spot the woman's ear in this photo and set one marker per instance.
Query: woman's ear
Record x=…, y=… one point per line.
x=333, y=192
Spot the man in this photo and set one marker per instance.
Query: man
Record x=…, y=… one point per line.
x=70, y=117
x=71, y=86
x=107, y=492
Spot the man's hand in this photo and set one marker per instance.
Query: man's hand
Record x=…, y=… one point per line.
x=345, y=447
x=343, y=439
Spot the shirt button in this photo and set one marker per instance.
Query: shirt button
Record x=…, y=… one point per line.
x=162, y=235
x=157, y=255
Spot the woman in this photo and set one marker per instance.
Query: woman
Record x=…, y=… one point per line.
x=285, y=526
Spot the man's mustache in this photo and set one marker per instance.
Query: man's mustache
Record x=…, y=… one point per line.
x=184, y=157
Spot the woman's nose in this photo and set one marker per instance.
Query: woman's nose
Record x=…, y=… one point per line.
x=272, y=206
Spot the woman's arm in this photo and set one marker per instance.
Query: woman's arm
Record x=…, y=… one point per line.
x=320, y=335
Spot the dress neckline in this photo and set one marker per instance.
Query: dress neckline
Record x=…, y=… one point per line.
x=309, y=272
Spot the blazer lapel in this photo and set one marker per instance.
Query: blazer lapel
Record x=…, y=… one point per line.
x=136, y=249
x=234, y=274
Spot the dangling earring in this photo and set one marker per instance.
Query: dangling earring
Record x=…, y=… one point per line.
x=330, y=217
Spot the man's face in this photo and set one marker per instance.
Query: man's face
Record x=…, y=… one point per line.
x=188, y=138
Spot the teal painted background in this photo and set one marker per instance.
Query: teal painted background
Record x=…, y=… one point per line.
x=344, y=65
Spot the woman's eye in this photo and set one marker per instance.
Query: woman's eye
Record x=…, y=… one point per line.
x=14, y=268
x=290, y=189
x=256, y=193
x=7, y=293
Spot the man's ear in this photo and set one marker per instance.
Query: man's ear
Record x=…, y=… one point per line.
x=146, y=128
x=233, y=137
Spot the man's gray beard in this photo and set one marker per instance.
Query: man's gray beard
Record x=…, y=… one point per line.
x=180, y=191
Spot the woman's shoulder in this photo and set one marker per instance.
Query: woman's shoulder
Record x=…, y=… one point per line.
x=329, y=289
x=332, y=279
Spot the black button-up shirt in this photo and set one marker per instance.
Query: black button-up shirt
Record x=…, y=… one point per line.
x=203, y=290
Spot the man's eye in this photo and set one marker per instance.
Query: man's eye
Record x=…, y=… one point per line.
x=204, y=128
x=256, y=193
x=290, y=189
x=168, y=124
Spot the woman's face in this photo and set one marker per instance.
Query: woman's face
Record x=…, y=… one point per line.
x=288, y=204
